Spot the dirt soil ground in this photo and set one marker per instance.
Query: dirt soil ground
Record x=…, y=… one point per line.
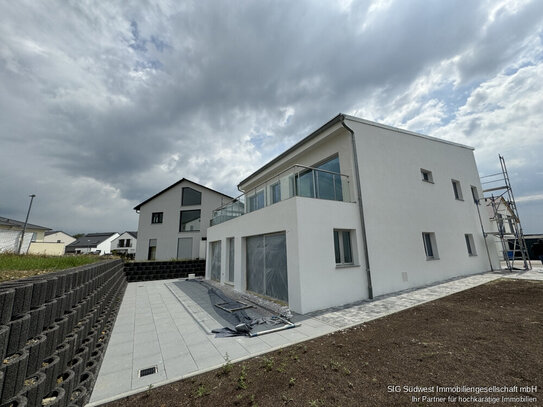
x=491, y=335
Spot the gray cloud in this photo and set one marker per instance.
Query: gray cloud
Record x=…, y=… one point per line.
x=104, y=104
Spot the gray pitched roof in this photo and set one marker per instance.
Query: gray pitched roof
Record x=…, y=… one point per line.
x=19, y=225
x=52, y=232
x=137, y=208
x=91, y=239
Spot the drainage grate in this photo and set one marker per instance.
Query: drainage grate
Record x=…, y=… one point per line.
x=148, y=371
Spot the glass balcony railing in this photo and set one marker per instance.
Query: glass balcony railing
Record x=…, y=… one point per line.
x=298, y=180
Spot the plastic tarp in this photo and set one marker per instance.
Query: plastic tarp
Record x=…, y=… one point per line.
x=267, y=265
x=236, y=323
x=216, y=261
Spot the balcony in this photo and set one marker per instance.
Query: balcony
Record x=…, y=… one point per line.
x=298, y=180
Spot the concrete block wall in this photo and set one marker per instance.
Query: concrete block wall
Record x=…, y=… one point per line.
x=54, y=329
x=161, y=270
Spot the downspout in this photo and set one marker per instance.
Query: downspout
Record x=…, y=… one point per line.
x=360, y=208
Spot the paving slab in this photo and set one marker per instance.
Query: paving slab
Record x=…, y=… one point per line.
x=158, y=325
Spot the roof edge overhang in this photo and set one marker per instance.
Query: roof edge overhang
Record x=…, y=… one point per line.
x=137, y=207
x=337, y=119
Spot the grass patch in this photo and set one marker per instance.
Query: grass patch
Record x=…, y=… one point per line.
x=15, y=266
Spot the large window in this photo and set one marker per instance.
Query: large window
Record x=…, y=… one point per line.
x=190, y=221
x=151, y=254
x=275, y=192
x=231, y=259
x=190, y=196
x=256, y=201
x=215, y=261
x=430, y=246
x=156, y=217
x=321, y=184
x=329, y=185
x=342, y=247
x=267, y=265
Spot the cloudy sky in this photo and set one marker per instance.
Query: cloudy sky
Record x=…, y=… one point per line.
x=104, y=103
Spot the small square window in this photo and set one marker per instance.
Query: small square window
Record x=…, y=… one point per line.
x=457, y=190
x=427, y=175
x=430, y=246
x=342, y=247
x=470, y=244
x=157, y=217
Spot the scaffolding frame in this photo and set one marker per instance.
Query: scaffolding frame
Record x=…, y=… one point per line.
x=505, y=214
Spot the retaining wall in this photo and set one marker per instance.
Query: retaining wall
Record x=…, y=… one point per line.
x=54, y=329
x=160, y=270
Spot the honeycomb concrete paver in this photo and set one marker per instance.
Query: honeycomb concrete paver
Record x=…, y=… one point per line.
x=158, y=326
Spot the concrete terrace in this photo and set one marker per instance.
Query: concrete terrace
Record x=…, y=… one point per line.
x=159, y=326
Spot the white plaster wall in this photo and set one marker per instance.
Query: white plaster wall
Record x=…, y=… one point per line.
x=47, y=248
x=167, y=232
x=105, y=246
x=314, y=281
x=323, y=284
x=399, y=207
x=280, y=217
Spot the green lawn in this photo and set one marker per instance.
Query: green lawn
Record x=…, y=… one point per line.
x=14, y=266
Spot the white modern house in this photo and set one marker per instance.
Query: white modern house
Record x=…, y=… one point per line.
x=355, y=210
x=173, y=223
x=96, y=243
x=125, y=244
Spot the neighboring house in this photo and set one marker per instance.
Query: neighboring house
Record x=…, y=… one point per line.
x=10, y=235
x=55, y=236
x=125, y=244
x=96, y=243
x=173, y=223
x=54, y=244
x=355, y=210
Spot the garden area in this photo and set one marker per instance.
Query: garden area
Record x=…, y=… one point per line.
x=15, y=266
x=477, y=347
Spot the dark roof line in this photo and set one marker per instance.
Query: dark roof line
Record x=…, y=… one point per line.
x=52, y=232
x=91, y=239
x=16, y=223
x=337, y=119
x=325, y=126
x=137, y=208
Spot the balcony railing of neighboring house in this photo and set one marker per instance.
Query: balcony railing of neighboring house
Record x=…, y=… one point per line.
x=298, y=180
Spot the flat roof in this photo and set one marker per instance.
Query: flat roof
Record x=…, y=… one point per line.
x=339, y=119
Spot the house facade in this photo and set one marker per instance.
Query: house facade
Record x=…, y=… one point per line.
x=173, y=223
x=10, y=235
x=125, y=244
x=355, y=210
x=95, y=243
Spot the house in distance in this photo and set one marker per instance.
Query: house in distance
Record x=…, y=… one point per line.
x=173, y=223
